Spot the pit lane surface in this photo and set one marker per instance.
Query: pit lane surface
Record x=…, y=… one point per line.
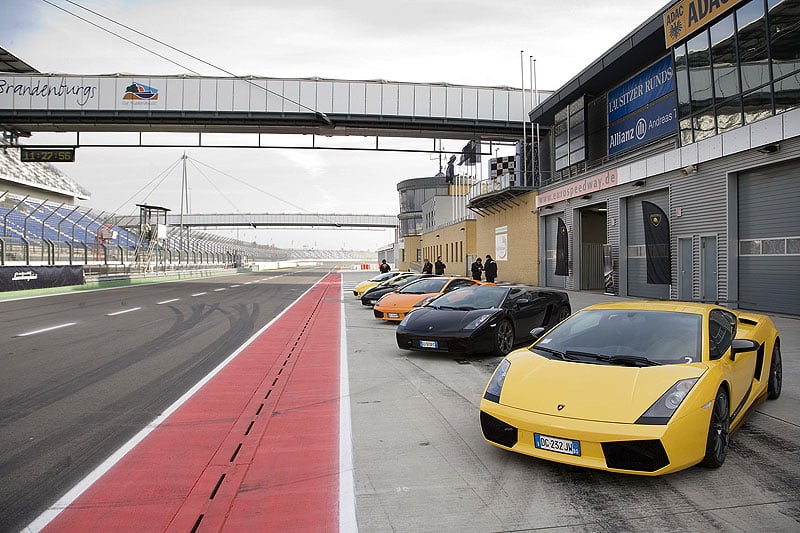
x=83, y=372
x=421, y=463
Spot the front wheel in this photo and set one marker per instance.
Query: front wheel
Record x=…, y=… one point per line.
x=775, y=374
x=504, y=338
x=563, y=313
x=718, y=431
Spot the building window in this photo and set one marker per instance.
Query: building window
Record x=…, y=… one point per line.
x=743, y=68
x=723, y=57
x=753, y=58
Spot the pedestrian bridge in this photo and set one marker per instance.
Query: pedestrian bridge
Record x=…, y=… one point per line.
x=275, y=220
x=32, y=101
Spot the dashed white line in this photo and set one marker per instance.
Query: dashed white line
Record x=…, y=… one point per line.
x=124, y=311
x=220, y=289
x=168, y=301
x=199, y=293
x=234, y=286
x=44, y=330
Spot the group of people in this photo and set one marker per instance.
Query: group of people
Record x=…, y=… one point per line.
x=436, y=268
x=478, y=268
x=489, y=268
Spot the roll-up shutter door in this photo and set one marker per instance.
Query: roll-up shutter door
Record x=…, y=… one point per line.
x=769, y=239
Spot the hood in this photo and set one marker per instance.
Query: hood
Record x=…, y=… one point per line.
x=377, y=292
x=432, y=321
x=607, y=393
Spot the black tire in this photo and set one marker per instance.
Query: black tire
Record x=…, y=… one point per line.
x=503, y=338
x=775, y=373
x=718, y=431
x=563, y=312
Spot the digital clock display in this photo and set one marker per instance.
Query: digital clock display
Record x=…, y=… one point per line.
x=47, y=155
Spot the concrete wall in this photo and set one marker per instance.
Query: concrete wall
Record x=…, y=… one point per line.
x=522, y=232
x=455, y=243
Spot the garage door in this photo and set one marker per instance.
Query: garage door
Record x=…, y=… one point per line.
x=769, y=239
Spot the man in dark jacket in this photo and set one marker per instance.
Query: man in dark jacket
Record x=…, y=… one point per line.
x=384, y=266
x=490, y=267
x=438, y=267
x=477, y=269
x=427, y=267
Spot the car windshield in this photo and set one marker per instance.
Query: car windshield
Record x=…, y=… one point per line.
x=384, y=276
x=627, y=337
x=424, y=286
x=467, y=298
x=398, y=280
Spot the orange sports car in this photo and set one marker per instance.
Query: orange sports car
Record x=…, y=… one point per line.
x=396, y=305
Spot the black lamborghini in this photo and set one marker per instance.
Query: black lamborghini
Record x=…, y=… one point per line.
x=372, y=295
x=482, y=319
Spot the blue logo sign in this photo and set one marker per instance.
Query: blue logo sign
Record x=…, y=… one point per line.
x=654, y=122
x=648, y=86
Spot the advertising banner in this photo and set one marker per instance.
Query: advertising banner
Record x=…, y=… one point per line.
x=654, y=122
x=19, y=278
x=657, y=248
x=562, y=249
x=685, y=17
x=649, y=85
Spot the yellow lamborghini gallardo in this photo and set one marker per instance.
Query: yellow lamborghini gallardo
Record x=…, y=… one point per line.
x=637, y=387
x=362, y=287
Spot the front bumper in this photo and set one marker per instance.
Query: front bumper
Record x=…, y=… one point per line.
x=390, y=315
x=641, y=449
x=459, y=343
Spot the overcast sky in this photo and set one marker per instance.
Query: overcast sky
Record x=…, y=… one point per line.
x=455, y=41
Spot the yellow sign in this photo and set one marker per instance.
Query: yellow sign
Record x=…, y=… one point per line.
x=686, y=16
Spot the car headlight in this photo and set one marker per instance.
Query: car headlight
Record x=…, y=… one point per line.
x=495, y=385
x=425, y=301
x=661, y=411
x=475, y=324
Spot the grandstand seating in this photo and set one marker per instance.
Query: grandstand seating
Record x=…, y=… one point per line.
x=37, y=208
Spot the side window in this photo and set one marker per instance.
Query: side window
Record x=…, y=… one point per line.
x=457, y=284
x=721, y=330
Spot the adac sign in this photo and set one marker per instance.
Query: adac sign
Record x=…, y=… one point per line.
x=686, y=16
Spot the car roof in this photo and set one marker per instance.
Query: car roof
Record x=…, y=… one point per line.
x=659, y=305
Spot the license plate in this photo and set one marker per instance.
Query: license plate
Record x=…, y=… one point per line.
x=554, y=444
x=393, y=315
x=428, y=344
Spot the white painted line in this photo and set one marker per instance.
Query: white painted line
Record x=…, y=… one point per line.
x=218, y=290
x=45, y=330
x=168, y=301
x=47, y=516
x=347, y=485
x=199, y=293
x=124, y=311
x=234, y=286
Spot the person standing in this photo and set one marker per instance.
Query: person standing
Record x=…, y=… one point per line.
x=490, y=267
x=439, y=266
x=427, y=267
x=384, y=266
x=477, y=269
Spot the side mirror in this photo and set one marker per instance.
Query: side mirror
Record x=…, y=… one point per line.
x=537, y=332
x=742, y=346
x=523, y=301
